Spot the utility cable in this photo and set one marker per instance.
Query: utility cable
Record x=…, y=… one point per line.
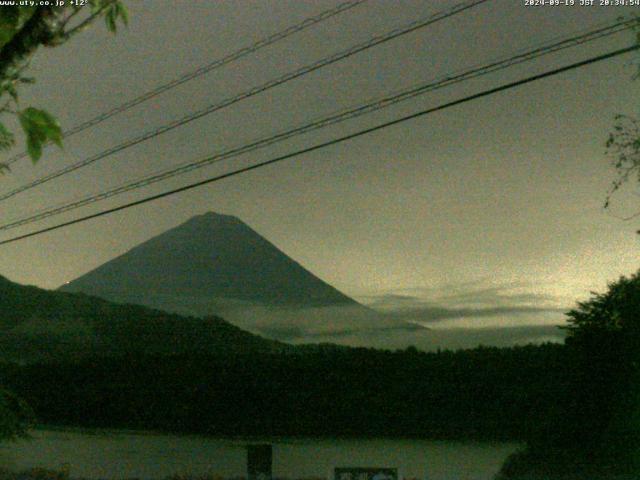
x=411, y=27
x=335, y=141
x=232, y=57
x=344, y=115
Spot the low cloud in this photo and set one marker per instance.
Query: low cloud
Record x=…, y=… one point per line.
x=428, y=328
x=451, y=316
x=476, y=294
x=473, y=305
x=443, y=339
x=436, y=313
x=296, y=334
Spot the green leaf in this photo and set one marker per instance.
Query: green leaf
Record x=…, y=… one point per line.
x=6, y=138
x=96, y=5
x=11, y=89
x=123, y=13
x=116, y=10
x=9, y=18
x=45, y=122
x=110, y=18
x=39, y=127
x=34, y=147
x=12, y=18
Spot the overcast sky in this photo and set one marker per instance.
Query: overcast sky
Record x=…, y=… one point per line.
x=498, y=201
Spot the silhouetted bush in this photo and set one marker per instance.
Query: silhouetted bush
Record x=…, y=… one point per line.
x=595, y=431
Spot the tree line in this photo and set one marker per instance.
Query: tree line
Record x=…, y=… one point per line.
x=494, y=393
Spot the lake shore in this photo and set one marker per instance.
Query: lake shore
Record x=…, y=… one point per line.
x=149, y=455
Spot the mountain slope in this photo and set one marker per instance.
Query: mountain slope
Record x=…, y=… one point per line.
x=37, y=324
x=216, y=264
x=214, y=255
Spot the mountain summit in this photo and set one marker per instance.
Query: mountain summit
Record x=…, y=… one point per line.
x=216, y=264
x=212, y=255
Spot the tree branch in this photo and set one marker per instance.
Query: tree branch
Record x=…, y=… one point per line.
x=24, y=43
x=85, y=23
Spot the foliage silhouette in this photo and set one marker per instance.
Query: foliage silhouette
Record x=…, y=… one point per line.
x=595, y=431
x=322, y=390
x=24, y=29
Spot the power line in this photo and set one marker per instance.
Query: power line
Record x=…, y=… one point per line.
x=335, y=141
x=232, y=57
x=353, y=112
x=393, y=34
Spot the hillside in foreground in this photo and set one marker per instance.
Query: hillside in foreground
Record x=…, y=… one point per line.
x=40, y=325
x=83, y=361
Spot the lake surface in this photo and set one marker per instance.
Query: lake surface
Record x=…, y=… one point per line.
x=119, y=454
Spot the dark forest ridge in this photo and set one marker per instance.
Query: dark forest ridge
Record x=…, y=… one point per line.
x=37, y=324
